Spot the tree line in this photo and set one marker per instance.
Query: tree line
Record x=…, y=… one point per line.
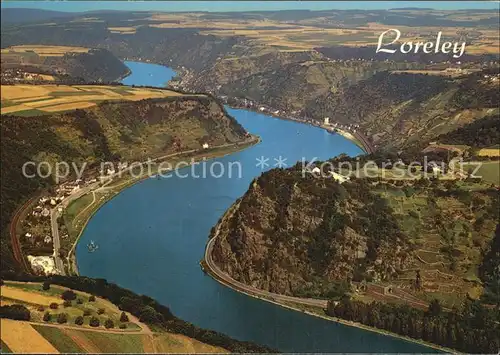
x=474, y=328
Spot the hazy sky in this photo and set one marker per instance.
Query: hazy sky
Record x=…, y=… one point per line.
x=244, y=5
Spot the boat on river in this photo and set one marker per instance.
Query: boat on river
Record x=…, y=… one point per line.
x=92, y=246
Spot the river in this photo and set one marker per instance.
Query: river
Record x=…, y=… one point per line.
x=152, y=236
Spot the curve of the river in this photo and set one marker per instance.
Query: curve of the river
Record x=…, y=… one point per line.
x=152, y=236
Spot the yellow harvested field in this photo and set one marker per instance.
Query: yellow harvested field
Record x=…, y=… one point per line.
x=19, y=101
x=46, y=77
x=489, y=152
x=27, y=296
x=15, y=108
x=176, y=343
x=13, y=92
x=46, y=51
x=59, y=100
x=20, y=337
x=69, y=106
x=125, y=30
x=54, y=98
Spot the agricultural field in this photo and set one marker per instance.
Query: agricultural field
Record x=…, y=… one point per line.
x=489, y=171
x=21, y=337
x=38, y=301
x=43, y=51
x=32, y=100
x=122, y=30
x=305, y=34
x=489, y=152
x=52, y=337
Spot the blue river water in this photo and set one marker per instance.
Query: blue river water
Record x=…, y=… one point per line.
x=152, y=236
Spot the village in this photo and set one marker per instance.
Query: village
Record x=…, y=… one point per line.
x=36, y=236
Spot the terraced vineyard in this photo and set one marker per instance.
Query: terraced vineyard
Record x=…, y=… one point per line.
x=448, y=229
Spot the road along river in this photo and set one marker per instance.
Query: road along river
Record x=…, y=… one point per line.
x=152, y=237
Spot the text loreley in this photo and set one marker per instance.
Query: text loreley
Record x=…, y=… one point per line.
x=427, y=47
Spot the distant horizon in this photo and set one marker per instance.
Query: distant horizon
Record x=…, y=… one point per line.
x=244, y=6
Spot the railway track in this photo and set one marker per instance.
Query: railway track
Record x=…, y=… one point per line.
x=16, y=246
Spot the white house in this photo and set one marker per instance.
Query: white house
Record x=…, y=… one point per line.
x=326, y=120
x=43, y=264
x=339, y=178
x=47, y=239
x=316, y=170
x=205, y=146
x=45, y=212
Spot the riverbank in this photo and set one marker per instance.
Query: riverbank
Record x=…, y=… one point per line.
x=355, y=137
x=234, y=102
x=288, y=302
x=113, y=187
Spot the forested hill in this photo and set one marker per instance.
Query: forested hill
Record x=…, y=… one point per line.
x=123, y=131
x=81, y=66
x=404, y=109
x=98, y=65
x=482, y=133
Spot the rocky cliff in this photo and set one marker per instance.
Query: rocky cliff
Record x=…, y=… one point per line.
x=294, y=235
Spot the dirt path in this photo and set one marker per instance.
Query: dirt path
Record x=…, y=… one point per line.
x=82, y=341
x=89, y=329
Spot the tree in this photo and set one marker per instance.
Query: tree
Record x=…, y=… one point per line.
x=94, y=322
x=68, y=295
x=148, y=314
x=434, y=308
x=62, y=318
x=79, y=320
x=53, y=305
x=123, y=317
x=109, y=323
x=47, y=316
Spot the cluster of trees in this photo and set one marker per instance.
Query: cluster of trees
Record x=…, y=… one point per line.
x=146, y=309
x=489, y=270
x=481, y=133
x=473, y=93
x=15, y=311
x=471, y=329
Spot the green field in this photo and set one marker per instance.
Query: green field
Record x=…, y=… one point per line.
x=114, y=343
x=59, y=339
x=489, y=171
x=76, y=309
x=4, y=349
